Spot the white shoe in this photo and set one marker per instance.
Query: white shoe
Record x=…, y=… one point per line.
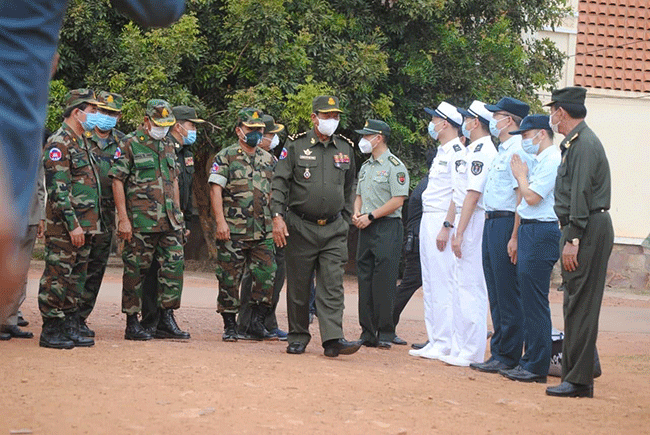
x=455, y=361
x=432, y=354
x=418, y=352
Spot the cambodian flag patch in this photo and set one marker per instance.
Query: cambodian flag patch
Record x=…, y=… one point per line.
x=118, y=153
x=55, y=154
x=283, y=154
x=215, y=168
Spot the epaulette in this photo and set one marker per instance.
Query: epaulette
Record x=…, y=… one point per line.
x=347, y=140
x=118, y=134
x=296, y=136
x=457, y=147
x=88, y=134
x=574, y=137
x=394, y=160
x=478, y=147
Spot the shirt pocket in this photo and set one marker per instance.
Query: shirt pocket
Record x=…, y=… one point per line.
x=240, y=179
x=145, y=167
x=79, y=163
x=305, y=169
x=340, y=171
x=380, y=178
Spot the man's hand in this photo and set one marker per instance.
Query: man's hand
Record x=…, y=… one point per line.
x=363, y=221
x=124, y=229
x=40, y=231
x=78, y=237
x=456, y=242
x=512, y=250
x=442, y=239
x=570, y=257
x=519, y=167
x=280, y=232
x=223, y=231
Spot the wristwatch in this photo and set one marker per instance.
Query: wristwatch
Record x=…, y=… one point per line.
x=371, y=217
x=575, y=242
x=447, y=224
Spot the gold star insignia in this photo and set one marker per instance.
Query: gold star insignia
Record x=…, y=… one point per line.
x=165, y=112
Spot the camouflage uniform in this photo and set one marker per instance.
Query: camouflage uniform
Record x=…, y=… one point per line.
x=73, y=187
x=147, y=167
x=246, y=183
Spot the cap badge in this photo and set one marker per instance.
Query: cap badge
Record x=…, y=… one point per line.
x=331, y=101
x=165, y=112
x=109, y=99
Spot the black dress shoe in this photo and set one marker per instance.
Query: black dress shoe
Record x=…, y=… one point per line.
x=399, y=341
x=21, y=321
x=368, y=343
x=522, y=375
x=15, y=331
x=336, y=347
x=490, y=366
x=296, y=348
x=4, y=336
x=384, y=345
x=569, y=389
x=418, y=346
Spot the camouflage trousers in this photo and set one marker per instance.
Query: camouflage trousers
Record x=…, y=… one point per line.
x=64, y=275
x=100, y=250
x=167, y=247
x=232, y=258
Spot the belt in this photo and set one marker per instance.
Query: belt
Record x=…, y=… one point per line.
x=536, y=221
x=565, y=220
x=498, y=214
x=317, y=220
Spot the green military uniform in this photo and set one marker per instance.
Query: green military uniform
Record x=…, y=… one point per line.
x=380, y=243
x=582, y=198
x=147, y=167
x=246, y=183
x=104, y=152
x=73, y=188
x=314, y=181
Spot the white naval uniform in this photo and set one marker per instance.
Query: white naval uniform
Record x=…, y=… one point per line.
x=470, y=304
x=438, y=268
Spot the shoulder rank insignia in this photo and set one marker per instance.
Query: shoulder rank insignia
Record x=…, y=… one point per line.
x=457, y=147
x=347, y=140
x=478, y=147
x=88, y=134
x=297, y=136
x=394, y=160
x=570, y=141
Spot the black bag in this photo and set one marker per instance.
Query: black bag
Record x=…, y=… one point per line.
x=555, y=368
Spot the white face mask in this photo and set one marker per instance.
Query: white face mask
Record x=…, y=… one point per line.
x=275, y=141
x=327, y=127
x=554, y=127
x=365, y=146
x=157, y=132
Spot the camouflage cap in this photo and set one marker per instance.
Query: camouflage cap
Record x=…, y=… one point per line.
x=110, y=101
x=270, y=126
x=160, y=113
x=186, y=113
x=325, y=104
x=250, y=117
x=78, y=96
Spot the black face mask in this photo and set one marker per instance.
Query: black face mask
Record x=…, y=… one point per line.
x=253, y=138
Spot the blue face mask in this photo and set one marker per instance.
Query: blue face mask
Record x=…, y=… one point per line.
x=105, y=122
x=529, y=146
x=90, y=122
x=432, y=129
x=190, y=138
x=465, y=131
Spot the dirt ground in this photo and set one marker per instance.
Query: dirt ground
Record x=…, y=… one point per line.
x=206, y=386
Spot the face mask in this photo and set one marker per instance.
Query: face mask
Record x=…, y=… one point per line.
x=157, y=132
x=432, y=129
x=253, y=138
x=190, y=138
x=327, y=127
x=466, y=132
x=494, y=131
x=529, y=146
x=365, y=146
x=554, y=127
x=275, y=141
x=105, y=122
x=90, y=122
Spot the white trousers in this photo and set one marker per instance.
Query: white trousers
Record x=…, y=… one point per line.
x=470, y=301
x=438, y=283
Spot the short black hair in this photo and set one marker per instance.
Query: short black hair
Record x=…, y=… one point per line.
x=575, y=111
x=69, y=110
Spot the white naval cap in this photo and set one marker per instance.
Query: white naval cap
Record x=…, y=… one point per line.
x=477, y=110
x=448, y=112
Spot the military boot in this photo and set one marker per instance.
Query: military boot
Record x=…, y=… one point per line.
x=168, y=328
x=229, y=327
x=71, y=331
x=84, y=330
x=257, y=329
x=52, y=334
x=134, y=330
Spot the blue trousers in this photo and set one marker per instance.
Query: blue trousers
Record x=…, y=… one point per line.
x=538, y=252
x=503, y=292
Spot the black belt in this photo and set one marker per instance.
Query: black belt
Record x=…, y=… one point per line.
x=536, y=221
x=498, y=214
x=317, y=220
x=566, y=220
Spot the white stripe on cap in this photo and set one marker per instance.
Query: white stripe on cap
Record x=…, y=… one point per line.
x=449, y=112
x=477, y=108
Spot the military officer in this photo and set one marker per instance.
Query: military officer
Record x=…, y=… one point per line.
x=436, y=258
x=240, y=190
x=312, y=189
x=499, y=250
x=383, y=186
x=582, y=201
x=182, y=135
x=270, y=141
x=103, y=141
x=469, y=308
x=145, y=188
x=73, y=218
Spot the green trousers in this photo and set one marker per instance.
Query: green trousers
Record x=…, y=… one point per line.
x=583, y=295
x=100, y=250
